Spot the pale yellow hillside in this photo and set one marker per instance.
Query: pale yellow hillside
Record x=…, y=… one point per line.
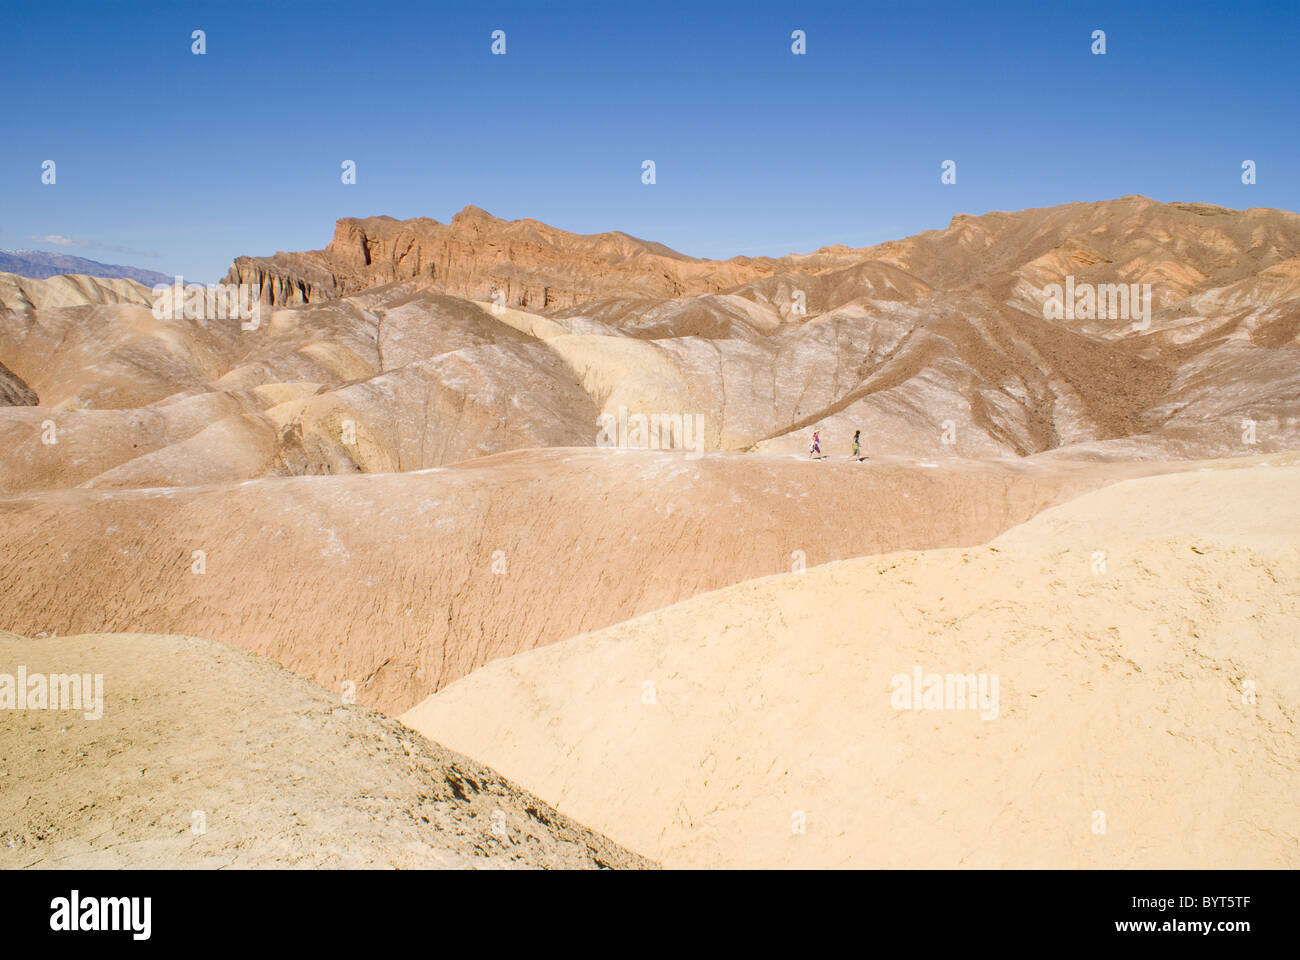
x=1145, y=717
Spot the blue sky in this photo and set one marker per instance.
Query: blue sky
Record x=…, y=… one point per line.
x=179, y=163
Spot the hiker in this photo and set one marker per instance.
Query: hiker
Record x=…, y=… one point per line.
x=857, y=446
x=816, y=448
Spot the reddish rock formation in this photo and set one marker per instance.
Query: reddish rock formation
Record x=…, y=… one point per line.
x=536, y=266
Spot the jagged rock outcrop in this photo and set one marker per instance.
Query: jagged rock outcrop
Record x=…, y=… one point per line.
x=534, y=266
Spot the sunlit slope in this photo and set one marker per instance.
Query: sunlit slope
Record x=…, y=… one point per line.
x=1148, y=679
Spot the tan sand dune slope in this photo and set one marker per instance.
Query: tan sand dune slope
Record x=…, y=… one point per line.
x=1143, y=638
x=403, y=582
x=206, y=756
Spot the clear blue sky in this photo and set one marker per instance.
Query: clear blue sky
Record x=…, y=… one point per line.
x=179, y=163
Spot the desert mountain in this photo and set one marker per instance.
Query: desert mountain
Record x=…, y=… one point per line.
x=935, y=346
x=457, y=430
x=390, y=483
x=1184, y=247
x=40, y=265
x=947, y=326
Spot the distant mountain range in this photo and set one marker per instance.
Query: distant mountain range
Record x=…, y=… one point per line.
x=40, y=265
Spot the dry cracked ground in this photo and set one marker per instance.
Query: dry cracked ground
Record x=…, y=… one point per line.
x=397, y=484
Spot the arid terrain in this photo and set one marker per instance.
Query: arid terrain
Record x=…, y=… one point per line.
x=494, y=478
x=1160, y=689
x=208, y=757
